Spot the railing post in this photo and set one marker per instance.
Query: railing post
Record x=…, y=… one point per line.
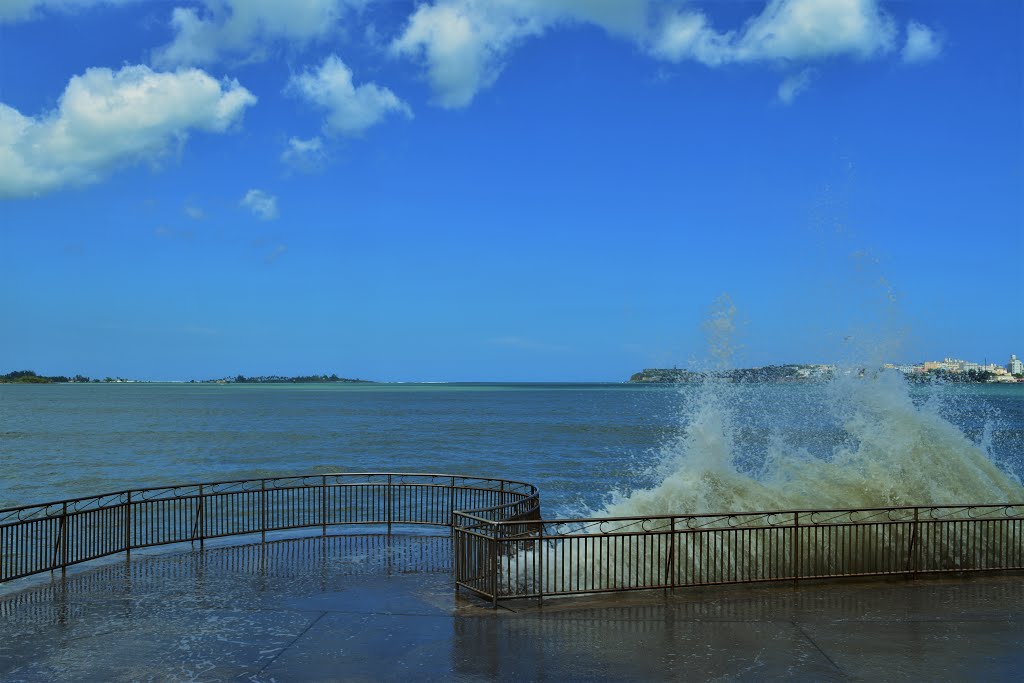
x=323, y=503
x=669, y=563
x=796, y=547
x=456, y=560
x=128, y=527
x=451, y=503
x=64, y=539
x=913, y=562
x=201, y=520
x=387, y=504
x=494, y=564
x=542, y=547
x=263, y=510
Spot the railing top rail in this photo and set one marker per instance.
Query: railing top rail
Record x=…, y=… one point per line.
x=468, y=513
x=761, y=513
x=442, y=480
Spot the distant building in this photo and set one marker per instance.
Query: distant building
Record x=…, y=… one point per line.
x=1015, y=366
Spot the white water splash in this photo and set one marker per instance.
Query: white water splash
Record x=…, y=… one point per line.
x=858, y=441
x=890, y=451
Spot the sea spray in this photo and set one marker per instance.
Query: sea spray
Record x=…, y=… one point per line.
x=890, y=452
x=882, y=449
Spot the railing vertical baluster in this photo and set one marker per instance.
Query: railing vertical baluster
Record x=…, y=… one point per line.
x=796, y=546
x=128, y=527
x=263, y=510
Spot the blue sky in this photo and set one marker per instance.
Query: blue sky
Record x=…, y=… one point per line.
x=507, y=190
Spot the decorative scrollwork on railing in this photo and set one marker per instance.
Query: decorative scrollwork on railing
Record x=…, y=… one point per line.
x=1012, y=511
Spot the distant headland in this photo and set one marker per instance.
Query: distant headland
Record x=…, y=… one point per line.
x=279, y=379
x=768, y=373
x=30, y=377
x=948, y=370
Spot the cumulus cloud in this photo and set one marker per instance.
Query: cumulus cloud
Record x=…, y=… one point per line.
x=106, y=119
x=792, y=30
x=246, y=29
x=262, y=204
x=350, y=109
x=24, y=10
x=794, y=85
x=464, y=43
x=809, y=29
x=304, y=155
x=922, y=44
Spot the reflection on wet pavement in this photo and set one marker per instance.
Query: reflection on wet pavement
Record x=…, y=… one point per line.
x=373, y=607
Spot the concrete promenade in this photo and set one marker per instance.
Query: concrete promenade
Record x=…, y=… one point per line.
x=369, y=608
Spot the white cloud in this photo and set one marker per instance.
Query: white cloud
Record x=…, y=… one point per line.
x=106, y=119
x=464, y=43
x=25, y=10
x=194, y=212
x=796, y=30
x=262, y=204
x=809, y=29
x=304, y=155
x=794, y=85
x=922, y=44
x=246, y=29
x=688, y=35
x=350, y=109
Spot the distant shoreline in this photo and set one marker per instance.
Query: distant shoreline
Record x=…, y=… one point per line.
x=30, y=377
x=809, y=373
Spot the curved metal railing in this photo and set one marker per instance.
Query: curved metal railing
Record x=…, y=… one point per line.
x=58, y=534
x=503, y=549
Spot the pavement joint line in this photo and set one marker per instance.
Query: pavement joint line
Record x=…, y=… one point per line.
x=289, y=645
x=806, y=635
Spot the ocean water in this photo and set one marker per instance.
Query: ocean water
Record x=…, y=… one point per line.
x=618, y=448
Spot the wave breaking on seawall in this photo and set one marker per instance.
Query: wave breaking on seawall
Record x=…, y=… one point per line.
x=865, y=443
x=890, y=452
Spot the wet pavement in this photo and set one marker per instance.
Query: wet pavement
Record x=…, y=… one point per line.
x=383, y=608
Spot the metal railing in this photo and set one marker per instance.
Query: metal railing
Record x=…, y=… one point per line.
x=502, y=549
x=55, y=535
x=507, y=558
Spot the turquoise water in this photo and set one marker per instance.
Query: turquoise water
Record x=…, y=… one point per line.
x=577, y=442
